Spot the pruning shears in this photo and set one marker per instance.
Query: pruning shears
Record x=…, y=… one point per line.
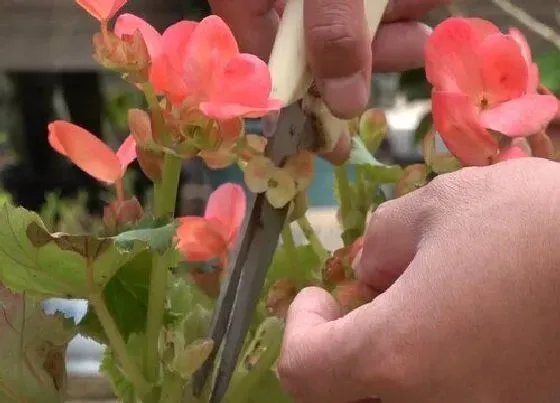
x=291, y=131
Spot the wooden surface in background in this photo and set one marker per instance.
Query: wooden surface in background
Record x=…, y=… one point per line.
x=56, y=34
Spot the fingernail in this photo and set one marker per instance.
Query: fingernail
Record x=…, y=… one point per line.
x=346, y=97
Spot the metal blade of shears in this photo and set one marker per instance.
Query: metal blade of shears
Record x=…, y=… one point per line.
x=258, y=242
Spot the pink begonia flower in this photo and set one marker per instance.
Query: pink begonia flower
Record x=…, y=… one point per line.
x=102, y=10
x=204, y=238
x=483, y=79
x=200, y=64
x=89, y=153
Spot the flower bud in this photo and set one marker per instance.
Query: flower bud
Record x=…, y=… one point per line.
x=118, y=213
x=280, y=296
x=373, y=128
x=414, y=177
x=140, y=126
x=352, y=294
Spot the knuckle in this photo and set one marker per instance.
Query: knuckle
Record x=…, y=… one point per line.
x=326, y=36
x=334, y=34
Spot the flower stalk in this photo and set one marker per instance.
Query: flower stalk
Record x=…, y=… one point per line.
x=165, y=195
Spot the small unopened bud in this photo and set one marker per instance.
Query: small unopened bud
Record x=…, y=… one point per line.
x=151, y=162
x=414, y=177
x=128, y=55
x=119, y=213
x=140, y=126
x=373, y=128
x=352, y=294
x=339, y=267
x=280, y=296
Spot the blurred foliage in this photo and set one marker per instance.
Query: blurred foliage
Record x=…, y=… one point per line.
x=549, y=66
x=197, y=9
x=414, y=86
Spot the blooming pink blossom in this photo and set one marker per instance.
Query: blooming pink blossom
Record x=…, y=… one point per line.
x=484, y=82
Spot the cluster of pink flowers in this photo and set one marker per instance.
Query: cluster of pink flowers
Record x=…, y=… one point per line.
x=484, y=90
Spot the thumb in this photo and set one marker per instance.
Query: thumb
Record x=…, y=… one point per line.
x=318, y=361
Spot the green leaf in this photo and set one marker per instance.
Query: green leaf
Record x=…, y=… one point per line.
x=359, y=154
x=159, y=239
x=121, y=386
x=307, y=269
x=269, y=388
x=183, y=297
x=548, y=69
x=32, y=351
x=126, y=297
x=189, y=358
x=32, y=259
x=381, y=174
x=374, y=170
x=258, y=360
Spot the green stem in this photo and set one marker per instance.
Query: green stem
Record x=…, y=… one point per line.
x=345, y=193
x=166, y=191
x=312, y=238
x=158, y=119
x=118, y=345
x=172, y=388
x=288, y=240
x=165, y=194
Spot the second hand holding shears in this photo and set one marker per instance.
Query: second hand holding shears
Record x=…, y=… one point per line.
x=293, y=131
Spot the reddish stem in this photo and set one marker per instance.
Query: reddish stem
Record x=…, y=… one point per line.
x=120, y=190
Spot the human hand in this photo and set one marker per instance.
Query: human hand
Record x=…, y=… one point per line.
x=339, y=53
x=470, y=312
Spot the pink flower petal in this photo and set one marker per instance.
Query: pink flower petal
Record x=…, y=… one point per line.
x=167, y=80
x=102, y=10
x=521, y=117
x=200, y=239
x=85, y=150
x=456, y=120
x=533, y=79
x=227, y=205
x=243, y=89
x=127, y=24
x=451, y=62
x=166, y=73
x=127, y=152
x=521, y=41
x=503, y=68
x=211, y=46
x=175, y=40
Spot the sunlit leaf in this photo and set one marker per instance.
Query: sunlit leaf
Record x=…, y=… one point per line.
x=32, y=351
x=33, y=259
